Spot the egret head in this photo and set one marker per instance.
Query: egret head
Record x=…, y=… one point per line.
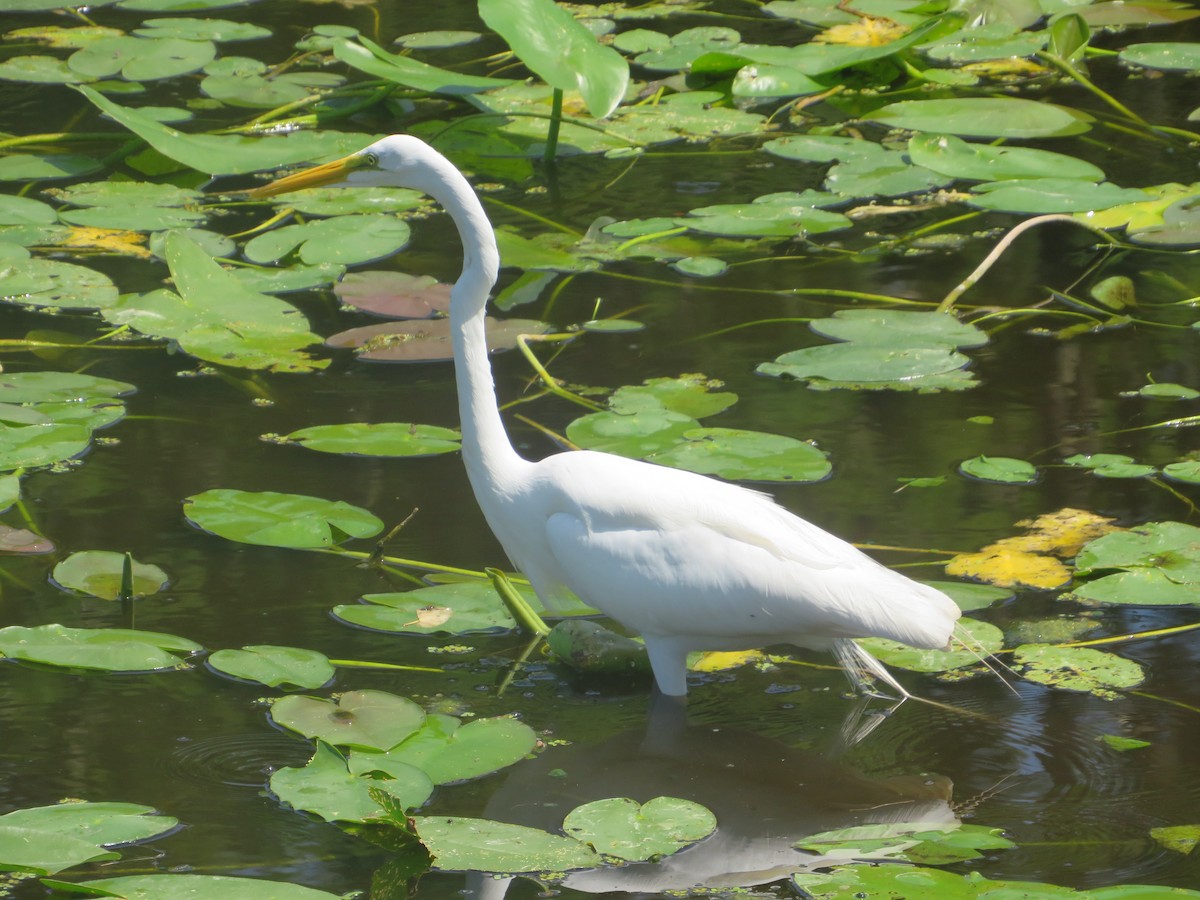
x=399, y=160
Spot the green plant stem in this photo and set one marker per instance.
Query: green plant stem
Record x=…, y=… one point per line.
x=517, y=663
x=549, y=380
x=1135, y=636
x=394, y=667
x=990, y=260
x=551, y=150
x=1075, y=75
x=405, y=563
x=525, y=615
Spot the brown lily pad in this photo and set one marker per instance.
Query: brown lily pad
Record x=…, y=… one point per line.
x=394, y=295
x=23, y=542
x=427, y=340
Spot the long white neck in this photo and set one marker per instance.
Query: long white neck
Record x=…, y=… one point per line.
x=487, y=452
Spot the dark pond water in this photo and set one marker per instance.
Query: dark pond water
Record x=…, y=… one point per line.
x=760, y=748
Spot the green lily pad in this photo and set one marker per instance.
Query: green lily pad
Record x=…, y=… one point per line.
x=870, y=366
x=1180, y=838
x=327, y=788
x=983, y=638
x=918, y=883
x=449, y=751
x=467, y=607
x=105, y=649
x=1187, y=471
x=985, y=162
x=271, y=665
x=31, y=446
x=377, y=439
x=1111, y=465
x=772, y=215
x=932, y=843
x=463, y=845
x=1168, y=55
x=1000, y=469
x=1052, y=195
x=1139, y=587
x=736, y=454
x=700, y=266
x=186, y=887
x=345, y=240
x=635, y=434
x=990, y=117
x=692, y=395
x=970, y=596
x=340, y=201
x=1077, y=669
x=1172, y=548
x=48, y=282
x=38, y=69
x=191, y=29
x=899, y=327
x=60, y=387
x=1166, y=390
x=141, y=58
x=893, y=176
x=375, y=720
x=47, y=839
x=46, y=166
x=273, y=519
x=100, y=572
x=636, y=832
x=437, y=40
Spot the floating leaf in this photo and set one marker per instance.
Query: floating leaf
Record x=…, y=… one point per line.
x=635, y=434
x=1051, y=195
x=345, y=240
x=636, y=832
x=426, y=340
x=737, y=454
x=48, y=839
x=934, y=843
x=1007, y=117
x=985, y=162
x=1169, y=55
x=375, y=720
x=271, y=665
x=106, y=649
x=1187, y=471
x=394, y=294
x=46, y=166
x=1173, y=548
x=377, y=439
x=100, y=573
x=190, y=29
x=185, y=887
x=48, y=282
x=1077, y=669
x=692, y=395
x=1010, y=567
x=449, y=751
x=1123, y=744
x=868, y=366
x=1001, y=469
x=1139, y=587
x=969, y=596
x=327, y=788
x=460, y=844
x=1166, y=390
x=279, y=520
x=884, y=327
x=983, y=640
x=466, y=607
x=1180, y=838
x=1111, y=465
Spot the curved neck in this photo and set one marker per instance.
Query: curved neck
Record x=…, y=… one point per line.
x=487, y=451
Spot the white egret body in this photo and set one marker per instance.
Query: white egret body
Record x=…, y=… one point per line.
x=689, y=562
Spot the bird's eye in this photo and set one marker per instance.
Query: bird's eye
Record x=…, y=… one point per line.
x=371, y=159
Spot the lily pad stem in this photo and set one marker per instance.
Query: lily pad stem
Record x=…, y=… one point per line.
x=1135, y=636
x=549, y=380
x=517, y=606
x=395, y=667
x=1005, y=242
x=551, y=150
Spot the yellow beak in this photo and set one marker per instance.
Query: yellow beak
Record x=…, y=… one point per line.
x=318, y=176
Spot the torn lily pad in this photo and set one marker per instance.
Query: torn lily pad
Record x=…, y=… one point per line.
x=1077, y=669
x=469, y=607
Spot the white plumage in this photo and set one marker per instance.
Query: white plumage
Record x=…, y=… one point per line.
x=689, y=562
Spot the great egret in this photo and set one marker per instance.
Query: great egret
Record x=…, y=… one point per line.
x=688, y=562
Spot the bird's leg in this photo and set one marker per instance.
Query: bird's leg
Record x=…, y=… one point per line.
x=668, y=661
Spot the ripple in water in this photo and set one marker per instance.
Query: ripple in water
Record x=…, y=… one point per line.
x=237, y=760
